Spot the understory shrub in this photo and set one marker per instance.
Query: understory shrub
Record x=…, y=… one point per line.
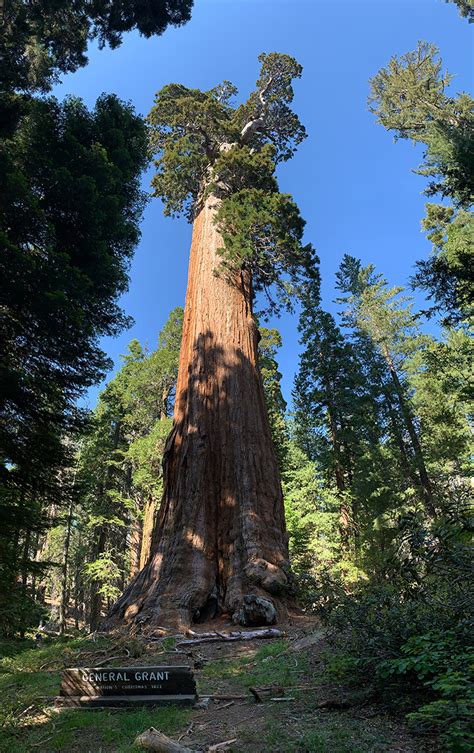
x=410, y=629
x=19, y=613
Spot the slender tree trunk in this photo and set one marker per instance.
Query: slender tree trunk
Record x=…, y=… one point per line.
x=96, y=597
x=425, y=482
x=164, y=401
x=25, y=560
x=339, y=474
x=220, y=542
x=397, y=434
x=63, y=604
x=34, y=556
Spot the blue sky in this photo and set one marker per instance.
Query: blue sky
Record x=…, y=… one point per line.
x=354, y=186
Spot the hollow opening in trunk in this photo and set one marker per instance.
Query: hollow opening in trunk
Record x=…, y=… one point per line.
x=209, y=610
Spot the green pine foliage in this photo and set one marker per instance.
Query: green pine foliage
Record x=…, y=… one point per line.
x=380, y=409
x=466, y=8
x=116, y=472
x=68, y=228
x=204, y=144
x=410, y=98
x=447, y=275
x=268, y=346
x=44, y=39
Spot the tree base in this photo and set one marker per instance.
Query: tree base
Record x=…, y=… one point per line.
x=181, y=605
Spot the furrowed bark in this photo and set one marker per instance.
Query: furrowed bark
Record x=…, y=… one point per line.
x=148, y=520
x=220, y=544
x=135, y=544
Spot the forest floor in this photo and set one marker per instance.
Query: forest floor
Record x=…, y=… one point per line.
x=320, y=713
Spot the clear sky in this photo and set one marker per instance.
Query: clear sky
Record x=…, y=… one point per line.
x=354, y=186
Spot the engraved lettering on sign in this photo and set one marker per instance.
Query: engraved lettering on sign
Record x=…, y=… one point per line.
x=127, y=685
x=151, y=676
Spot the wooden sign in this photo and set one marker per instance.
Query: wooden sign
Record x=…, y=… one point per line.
x=127, y=686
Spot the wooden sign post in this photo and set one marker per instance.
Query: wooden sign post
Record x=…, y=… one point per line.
x=127, y=686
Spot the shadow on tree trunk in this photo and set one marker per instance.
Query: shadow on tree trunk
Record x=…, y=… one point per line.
x=220, y=545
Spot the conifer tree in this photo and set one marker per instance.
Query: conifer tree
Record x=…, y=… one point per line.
x=43, y=39
x=410, y=98
x=69, y=179
x=340, y=421
x=269, y=343
x=120, y=464
x=387, y=321
x=220, y=543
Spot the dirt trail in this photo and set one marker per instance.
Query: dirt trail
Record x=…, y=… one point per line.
x=318, y=714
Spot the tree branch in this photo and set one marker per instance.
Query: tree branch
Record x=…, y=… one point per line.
x=207, y=143
x=250, y=128
x=256, y=124
x=261, y=94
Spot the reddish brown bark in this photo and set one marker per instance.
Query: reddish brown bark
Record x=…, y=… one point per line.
x=220, y=542
x=135, y=543
x=147, y=531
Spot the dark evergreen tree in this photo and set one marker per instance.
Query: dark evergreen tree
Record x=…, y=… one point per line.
x=386, y=320
x=71, y=203
x=40, y=40
x=340, y=420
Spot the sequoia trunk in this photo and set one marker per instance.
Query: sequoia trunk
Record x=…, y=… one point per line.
x=219, y=544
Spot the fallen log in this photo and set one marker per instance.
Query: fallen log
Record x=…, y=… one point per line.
x=268, y=693
x=221, y=746
x=188, y=732
x=256, y=695
x=236, y=635
x=225, y=705
x=225, y=697
x=155, y=741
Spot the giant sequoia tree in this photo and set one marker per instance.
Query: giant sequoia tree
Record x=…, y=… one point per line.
x=220, y=543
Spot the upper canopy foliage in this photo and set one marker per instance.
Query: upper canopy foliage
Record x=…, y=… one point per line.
x=466, y=8
x=206, y=145
x=409, y=98
x=43, y=38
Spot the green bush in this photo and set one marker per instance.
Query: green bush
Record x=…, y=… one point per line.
x=410, y=629
x=443, y=664
x=18, y=613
